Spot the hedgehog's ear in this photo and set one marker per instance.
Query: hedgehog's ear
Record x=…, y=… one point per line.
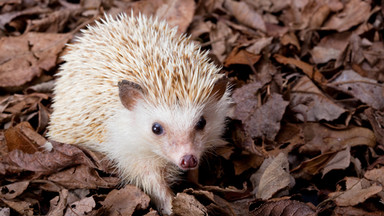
x=129, y=93
x=219, y=88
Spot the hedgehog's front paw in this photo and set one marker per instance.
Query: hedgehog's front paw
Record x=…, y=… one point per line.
x=164, y=205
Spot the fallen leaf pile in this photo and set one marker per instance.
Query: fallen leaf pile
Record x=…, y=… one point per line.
x=306, y=135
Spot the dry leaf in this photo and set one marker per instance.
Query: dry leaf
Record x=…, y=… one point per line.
x=272, y=177
x=58, y=203
x=241, y=57
x=221, y=38
x=330, y=47
x=340, y=161
x=61, y=157
x=22, y=207
x=245, y=15
x=259, y=45
x=81, y=207
x=23, y=137
x=319, y=138
x=256, y=124
x=184, y=204
x=284, y=208
x=83, y=176
x=125, y=201
x=177, y=13
x=309, y=70
x=367, y=90
x=357, y=191
x=309, y=104
x=375, y=175
x=354, y=12
x=26, y=57
x=13, y=190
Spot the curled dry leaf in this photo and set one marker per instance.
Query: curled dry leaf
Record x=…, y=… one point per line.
x=320, y=138
x=62, y=156
x=246, y=100
x=26, y=57
x=330, y=47
x=259, y=45
x=367, y=90
x=357, y=191
x=309, y=70
x=340, y=161
x=82, y=176
x=177, y=13
x=256, y=124
x=241, y=57
x=185, y=204
x=283, y=208
x=58, y=203
x=354, y=12
x=23, y=137
x=125, y=201
x=309, y=103
x=13, y=190
x=81, y=207
x=375, y=175
x=272, y=177
x=21, y=207
x=221, y=37
x=245, y=14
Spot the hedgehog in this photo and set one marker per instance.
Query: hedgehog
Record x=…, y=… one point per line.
x=146, y=97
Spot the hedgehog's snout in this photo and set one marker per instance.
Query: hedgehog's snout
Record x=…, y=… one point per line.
x=188, y=162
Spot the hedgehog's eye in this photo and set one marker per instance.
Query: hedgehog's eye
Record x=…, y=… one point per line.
x=201, y=123
x=157, y=128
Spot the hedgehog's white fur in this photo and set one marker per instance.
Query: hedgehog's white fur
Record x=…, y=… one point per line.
x=177, y=80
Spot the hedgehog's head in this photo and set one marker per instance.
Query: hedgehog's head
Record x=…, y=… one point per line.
x=179, y=133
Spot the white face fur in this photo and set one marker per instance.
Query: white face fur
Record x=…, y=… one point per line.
x=169, y=134
x=179, y=134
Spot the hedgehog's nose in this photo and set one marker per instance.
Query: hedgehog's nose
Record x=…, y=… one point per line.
x=188, y=162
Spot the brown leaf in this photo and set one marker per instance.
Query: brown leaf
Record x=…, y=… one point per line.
x=357, y=191
x=81, y=207
x=320, y=138
x=26, y=57
x=309, y=70
x=57, y=204
x=340, y=161
x=272, y=177
x=62, y=156
x=83, y=176
x=375, y=175
x=241, y=57
x=22, y=207
x=185, y=204
x=23, y=137
x=246, y=100
x=354, y=12
x=259, y=44
x=125, y=201
x=309, y=103
x=330, y=47
x=284, y=208
x=245, y=15
x=367, y=90
x=351, y=211
x=312, y=166
x=13, y=190
x=376, y=119
x=177, y=13
x=221, y=37
x=259, y=126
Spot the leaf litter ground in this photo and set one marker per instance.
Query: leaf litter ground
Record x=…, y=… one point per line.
x=306, y=135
